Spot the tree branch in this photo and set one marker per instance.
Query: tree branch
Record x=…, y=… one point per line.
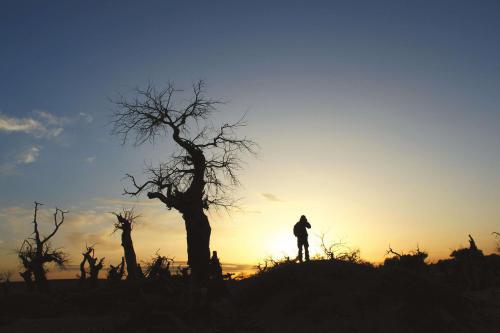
x=56, y=224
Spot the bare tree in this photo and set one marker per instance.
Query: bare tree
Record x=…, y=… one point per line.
x=125, y=222
x=35, y=252
x=115, y=273
x=199, y=175
x=95, y=265
x=83, y=273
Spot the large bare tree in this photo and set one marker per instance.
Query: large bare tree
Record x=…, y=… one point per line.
x=35, y=252
x=201, y=173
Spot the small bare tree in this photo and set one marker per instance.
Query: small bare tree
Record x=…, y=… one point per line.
x=35, y=252
x=95, y=265
x=115, y=273
x=125, y=221
x=203, y=171
x=83, y=272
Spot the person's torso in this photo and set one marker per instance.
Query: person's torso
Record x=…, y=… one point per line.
x=300, y=229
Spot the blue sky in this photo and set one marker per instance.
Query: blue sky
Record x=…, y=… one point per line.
x=390, y=99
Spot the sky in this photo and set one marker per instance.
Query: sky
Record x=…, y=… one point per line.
x=379, y=121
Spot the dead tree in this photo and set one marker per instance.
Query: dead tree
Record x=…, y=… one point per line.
x=159, y=268
x=95, y=265
x=472, y=244
x=125, y=222
x=199, y=175
x=83, y=272
x=35, y=252
x=115, y=273
x=27, y=276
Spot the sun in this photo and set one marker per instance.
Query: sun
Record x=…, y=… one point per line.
x=279, y=245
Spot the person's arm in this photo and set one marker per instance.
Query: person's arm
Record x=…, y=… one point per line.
x=308, y=225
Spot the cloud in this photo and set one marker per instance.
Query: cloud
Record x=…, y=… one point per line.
x=86, y=117
x=42, y=124
x=51, y=119
x=45, y=125
x=101, y=239
x=9, y=124
x=271, y=197
x=28, y=156
x=89, y=159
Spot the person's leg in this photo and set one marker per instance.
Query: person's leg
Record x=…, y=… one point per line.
x=299, y=245
x=306, y=248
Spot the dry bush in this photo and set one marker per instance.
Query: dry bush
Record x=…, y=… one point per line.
x=158, y=268
x=469, y=267
x=338, y=251
x=414, y=260
x=270, y=263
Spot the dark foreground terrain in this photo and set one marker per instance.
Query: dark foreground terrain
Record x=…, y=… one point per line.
x=318, y=296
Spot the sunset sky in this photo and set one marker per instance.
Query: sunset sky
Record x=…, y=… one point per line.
x=378, y=120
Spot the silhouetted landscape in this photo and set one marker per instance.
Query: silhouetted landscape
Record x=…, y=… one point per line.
x=335, y=292
x=249, y=166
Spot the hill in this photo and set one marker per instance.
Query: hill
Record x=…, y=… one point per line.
x=339, y=296
x=316, y=296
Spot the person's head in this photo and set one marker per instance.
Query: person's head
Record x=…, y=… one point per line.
x=303, y=218
x=214, y=254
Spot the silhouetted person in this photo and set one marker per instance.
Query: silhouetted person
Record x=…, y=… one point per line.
x=215, y=267
x=216, y=286
x=300, y=231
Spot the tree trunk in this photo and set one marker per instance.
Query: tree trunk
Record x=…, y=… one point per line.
x=83, y=273
x=94, y=275
x=28, y=280
x=128, y=249
x=40, y=278
x=198, y=247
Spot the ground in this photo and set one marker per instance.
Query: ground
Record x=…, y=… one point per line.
x=318, y=296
